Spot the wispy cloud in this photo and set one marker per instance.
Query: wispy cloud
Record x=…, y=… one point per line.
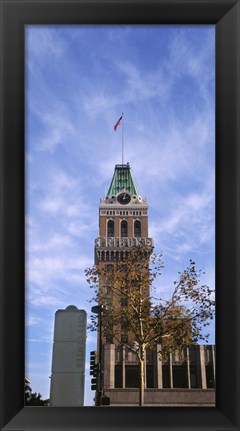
x=189, y=222
x=56, y=126
x=43, y=42
x=32, y=320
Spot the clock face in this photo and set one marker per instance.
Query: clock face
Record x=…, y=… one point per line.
x=124, y=198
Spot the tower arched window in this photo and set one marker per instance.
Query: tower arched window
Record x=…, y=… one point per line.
x=124, y=229
x=110, y=228
x=137, y=228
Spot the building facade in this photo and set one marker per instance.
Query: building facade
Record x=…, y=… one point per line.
x=186, y=378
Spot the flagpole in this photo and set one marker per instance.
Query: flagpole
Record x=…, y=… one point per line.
x=122, y=140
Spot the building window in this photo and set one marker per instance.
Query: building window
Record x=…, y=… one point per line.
x=137, y=228
x=180, y=376
x=166, y=376
x=195, y=377
x=109, y=339
x=124, y=301
x=149, y=371
x=132, y=376
x=123, y=325
x=124, y=339
x=118, y=376
x=208, y=355
x=124, y=229
x=110, y=228
x=124, y=268
x=210, y=376
x=109, y=256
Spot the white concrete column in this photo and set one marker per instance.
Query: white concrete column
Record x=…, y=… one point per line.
x=202, y=366
x=109, y=366
x=145, y=369
x=214, y=364
x=159, y=367
x=188, y=369
x=170, y=370
x=123, y=366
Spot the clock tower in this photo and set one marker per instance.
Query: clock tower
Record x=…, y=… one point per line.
x=185, y=378
x=123, y=224
x=123, y=217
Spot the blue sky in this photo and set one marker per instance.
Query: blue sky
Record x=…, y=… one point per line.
x=79, y=79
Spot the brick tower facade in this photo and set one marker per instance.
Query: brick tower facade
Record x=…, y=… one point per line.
x=123, y=217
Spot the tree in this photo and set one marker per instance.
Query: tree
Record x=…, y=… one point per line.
x=135, y=318
x=34, y=399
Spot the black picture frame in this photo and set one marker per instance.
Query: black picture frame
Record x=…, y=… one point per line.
x=225, y=15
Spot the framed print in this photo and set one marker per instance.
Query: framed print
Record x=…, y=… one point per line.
x=67, y=169
x=22, y=39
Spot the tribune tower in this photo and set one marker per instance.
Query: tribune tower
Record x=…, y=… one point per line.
x=123, y=224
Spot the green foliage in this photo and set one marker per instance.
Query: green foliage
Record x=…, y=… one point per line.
x=34, y=399
x=132, y=317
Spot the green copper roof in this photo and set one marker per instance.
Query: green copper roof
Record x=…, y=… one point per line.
x=122, y=179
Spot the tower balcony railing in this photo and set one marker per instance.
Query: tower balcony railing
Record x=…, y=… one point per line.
x=121, y=243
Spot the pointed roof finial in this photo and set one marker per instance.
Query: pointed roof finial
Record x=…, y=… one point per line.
x=122, y=180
